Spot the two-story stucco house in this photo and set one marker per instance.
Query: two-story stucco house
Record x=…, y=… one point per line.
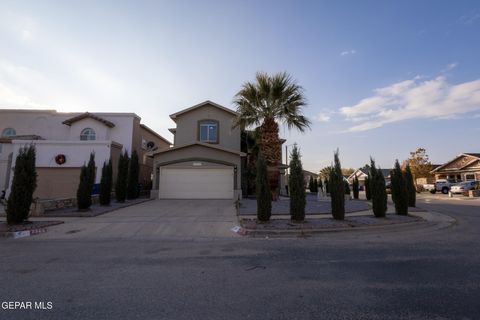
x=64, y=142
x=205, y=160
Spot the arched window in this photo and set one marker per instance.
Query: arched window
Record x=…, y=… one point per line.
x=87, y=134
x=9, y=132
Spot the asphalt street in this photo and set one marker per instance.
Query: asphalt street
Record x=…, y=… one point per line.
x=408, y=272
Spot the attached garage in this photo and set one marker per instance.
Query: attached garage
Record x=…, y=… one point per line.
x=196, y=183
x=57, y=183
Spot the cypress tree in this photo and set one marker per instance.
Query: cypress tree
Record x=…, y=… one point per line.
x=368, y=193
x=84, y=191
x=355, y=188
x=91, y=171
x=264, y=196
x=337, y=190
x=133, y=173
x=411, y=190
x=347, y=188
x=23, y=186
x=320, y=184
x=310, y=185
x=327, y=187
x=399, y=190
x=315, y=186
x=377, y=191
x=297, y=188
x=122, y=178
x=106, y=184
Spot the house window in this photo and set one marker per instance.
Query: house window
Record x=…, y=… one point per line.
x=9, y=132
x=469, y=177
x=87, y=134
x=208, y=131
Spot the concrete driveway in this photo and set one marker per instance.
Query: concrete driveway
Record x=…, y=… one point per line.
x=156, y=219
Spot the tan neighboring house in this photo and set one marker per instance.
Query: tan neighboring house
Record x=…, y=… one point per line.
x=464, y=167
x=205, y=160
x=64, y=142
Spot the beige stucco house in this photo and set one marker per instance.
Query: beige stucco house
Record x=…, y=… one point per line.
x=205, y=160
x=72, y=137
x=464, y=167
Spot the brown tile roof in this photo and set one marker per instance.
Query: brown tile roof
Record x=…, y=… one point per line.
x=85, y=115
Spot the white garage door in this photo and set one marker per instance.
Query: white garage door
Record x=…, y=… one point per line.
x=196, y=183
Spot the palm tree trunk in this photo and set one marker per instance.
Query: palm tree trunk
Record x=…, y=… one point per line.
x=270, y=146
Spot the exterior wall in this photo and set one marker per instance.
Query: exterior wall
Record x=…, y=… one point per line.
x=188, y=130
x=102, y=132
x=198, y=154
x=77, y=153
x=5, y=163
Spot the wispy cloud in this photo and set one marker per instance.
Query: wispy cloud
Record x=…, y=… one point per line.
x=417, y=98
x=323, y=117
x=347, y=52
x=470, y=19
x=450, y=66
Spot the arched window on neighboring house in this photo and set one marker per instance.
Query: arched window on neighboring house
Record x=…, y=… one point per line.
x=87, y=134
x=9, y=132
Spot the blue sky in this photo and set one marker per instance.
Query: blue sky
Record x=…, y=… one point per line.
x=381, y=77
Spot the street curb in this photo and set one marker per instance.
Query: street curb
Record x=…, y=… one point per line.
x=27, y=233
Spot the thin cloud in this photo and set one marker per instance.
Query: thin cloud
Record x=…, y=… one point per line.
x=323, y=117
x=417, y=98
x=347, y=52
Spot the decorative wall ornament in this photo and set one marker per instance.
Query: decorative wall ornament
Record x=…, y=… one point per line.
x=60, y=159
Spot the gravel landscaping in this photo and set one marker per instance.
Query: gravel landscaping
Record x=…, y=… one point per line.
x=95, y=209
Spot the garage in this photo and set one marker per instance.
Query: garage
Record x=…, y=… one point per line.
x=196, y=183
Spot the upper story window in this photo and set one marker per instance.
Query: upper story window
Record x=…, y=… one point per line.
x=87, y=134
x=208, y=131
x=9, y=132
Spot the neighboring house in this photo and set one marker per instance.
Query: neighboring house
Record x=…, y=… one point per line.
x=205, y=160
x=465, y=166
x=362, y=173
x=64, y=142
x=307, y=175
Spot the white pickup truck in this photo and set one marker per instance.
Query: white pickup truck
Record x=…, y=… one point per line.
x=441, y=185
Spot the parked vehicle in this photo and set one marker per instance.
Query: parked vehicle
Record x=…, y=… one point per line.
x=388, y=187
x=442, y=185
x=463, y=186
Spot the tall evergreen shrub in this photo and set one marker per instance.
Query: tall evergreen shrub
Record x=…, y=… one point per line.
x=106, y=184
x=377, y=191
x=315, y=186
x=23, y=186
x=84, y=191
x=122, y=177
x=133, y=174
x=297, y=188
x=264, y=196
x=399, y=190
x=368, y=193
x=355, y=187
x=91, y=170
x=337, y=190
x=310, y=185
x=411, y=190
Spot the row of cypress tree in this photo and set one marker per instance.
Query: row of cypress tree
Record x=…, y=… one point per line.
x=126, y=186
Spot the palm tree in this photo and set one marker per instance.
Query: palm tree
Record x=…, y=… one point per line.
x=268, y=101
